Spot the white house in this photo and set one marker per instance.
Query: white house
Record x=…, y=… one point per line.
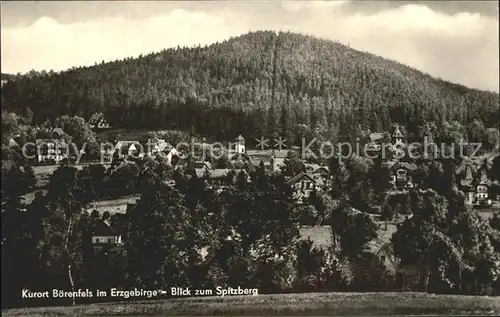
x=98, y=121
x=51, y=150
x=128, y=148
x=104, y=235
x=278, y=160
x=240, y=145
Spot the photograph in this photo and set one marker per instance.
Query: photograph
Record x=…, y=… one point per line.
x=250, y=158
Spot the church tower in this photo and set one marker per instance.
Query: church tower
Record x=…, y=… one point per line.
x=240, y=145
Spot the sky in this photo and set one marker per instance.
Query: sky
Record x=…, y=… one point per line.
x=455, y=41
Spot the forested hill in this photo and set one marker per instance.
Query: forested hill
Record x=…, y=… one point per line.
x=261, y=83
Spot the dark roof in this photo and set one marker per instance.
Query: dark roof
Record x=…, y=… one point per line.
x=101, y=228
x=397, y=132
x=202, y=165
x=300, y=176
x=406, y=165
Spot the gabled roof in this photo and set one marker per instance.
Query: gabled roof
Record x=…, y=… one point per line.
x=397, y=132
x=301, y=176
x=58, y=131
x=239, y=138
x=132, y=147
x=201, y=165
x=13, y=142
x=126, y=145
x=102, y=228
x=377, y=248
x=240, y=157
x=162, y=145
x=484, y=180
x=318, y=179
x=320, y=236
x=396, y=165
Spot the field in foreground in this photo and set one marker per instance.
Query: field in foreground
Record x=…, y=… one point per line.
x=311, y=304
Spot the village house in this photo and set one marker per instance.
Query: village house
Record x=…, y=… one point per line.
x=13, y=143
x=214, y=177
x=278, y=160
x=203, y=165
x=304, y=184
x=482, y=196
x=220, y=176
x=401, y=175
x=98, y=121
x=103, y=235
x=51, y=151
x=128, y=148
x=476, y=190
x=159, y=145
x=323, y=171
x=377, y=140
x=239, y=145
x=58, y=133
x=384, y=254
x=398, y=139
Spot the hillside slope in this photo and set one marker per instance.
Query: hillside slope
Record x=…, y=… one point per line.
x=260, y=83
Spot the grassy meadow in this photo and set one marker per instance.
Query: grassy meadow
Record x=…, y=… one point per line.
x=310, y=304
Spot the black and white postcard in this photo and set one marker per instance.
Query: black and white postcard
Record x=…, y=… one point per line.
x=246, y=158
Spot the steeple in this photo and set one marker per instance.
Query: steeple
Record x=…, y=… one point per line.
x=240, y=145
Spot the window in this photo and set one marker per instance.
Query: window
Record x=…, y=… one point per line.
x=382, y=258
x=96, y=240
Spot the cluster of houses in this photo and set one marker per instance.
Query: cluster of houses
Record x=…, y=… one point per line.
x=312, y=178
x=476, y=189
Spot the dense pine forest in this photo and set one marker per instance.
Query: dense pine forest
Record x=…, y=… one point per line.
x=261, y=83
